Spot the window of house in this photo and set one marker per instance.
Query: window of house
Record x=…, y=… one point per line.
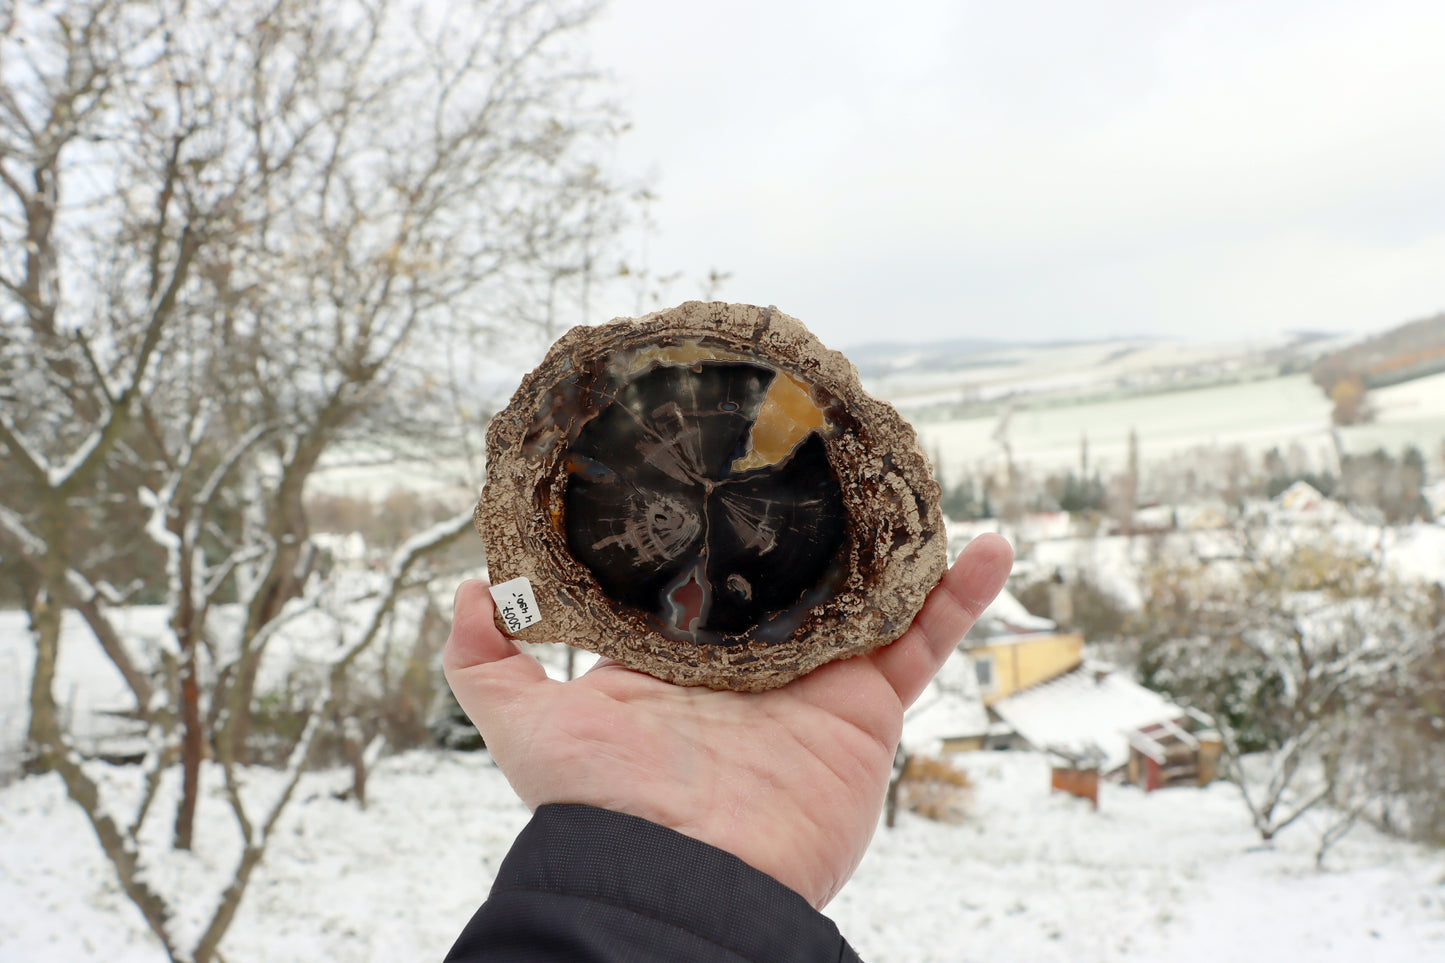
x=983, y=671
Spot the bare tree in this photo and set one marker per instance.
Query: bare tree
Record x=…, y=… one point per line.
x=241, y=237
x=1286, y=646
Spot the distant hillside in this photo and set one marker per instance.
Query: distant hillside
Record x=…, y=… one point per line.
x=1410, y=351
x=881, y=357
x=876, y=358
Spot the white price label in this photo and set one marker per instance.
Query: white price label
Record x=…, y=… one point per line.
x=516, y=604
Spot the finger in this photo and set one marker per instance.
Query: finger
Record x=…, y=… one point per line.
x=475, y=642
x=950, y=610
x=493, y=679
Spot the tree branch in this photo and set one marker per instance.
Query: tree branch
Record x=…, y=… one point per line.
x=119, y=848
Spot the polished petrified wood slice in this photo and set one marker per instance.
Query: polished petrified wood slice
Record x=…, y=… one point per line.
x=708, y=495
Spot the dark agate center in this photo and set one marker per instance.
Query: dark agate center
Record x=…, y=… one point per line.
x=701, y=495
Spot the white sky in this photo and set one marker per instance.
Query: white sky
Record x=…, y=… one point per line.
x=1040, y=169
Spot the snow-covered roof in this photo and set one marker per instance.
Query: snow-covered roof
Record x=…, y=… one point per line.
x=1302, y=503
x=950, y=708
x=1088, y=711
x=1300, y=495
x=1006, y=615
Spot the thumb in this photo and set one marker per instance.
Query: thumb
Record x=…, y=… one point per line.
x=477, y=653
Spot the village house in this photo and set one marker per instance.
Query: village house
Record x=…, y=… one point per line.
x=1017, y=681
x=1303, y=504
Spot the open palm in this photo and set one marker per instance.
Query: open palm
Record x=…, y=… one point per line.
x=790, y=780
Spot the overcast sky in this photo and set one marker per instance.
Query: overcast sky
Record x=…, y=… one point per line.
x=1042, y=169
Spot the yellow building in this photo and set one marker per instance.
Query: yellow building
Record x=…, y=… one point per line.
x=1008, y=664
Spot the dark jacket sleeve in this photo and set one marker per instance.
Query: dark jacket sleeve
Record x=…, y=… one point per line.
x=588, y=885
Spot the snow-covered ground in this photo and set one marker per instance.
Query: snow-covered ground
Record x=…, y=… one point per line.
x=1173, y=875
x=1029, y=876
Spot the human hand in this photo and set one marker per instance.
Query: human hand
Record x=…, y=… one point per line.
x=791, y=780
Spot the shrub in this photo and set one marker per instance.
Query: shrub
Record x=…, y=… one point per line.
x=934, y=789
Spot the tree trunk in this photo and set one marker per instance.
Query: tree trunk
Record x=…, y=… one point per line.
x=192, y=738
x=289, y=531
x=45, y=621
x=890, y=802
x=44, y=733
x=192, y=750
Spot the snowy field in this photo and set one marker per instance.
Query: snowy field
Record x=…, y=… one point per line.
x=1253, y=415
x=1029, y=876
x=1256, y=415
x=1063, y=371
